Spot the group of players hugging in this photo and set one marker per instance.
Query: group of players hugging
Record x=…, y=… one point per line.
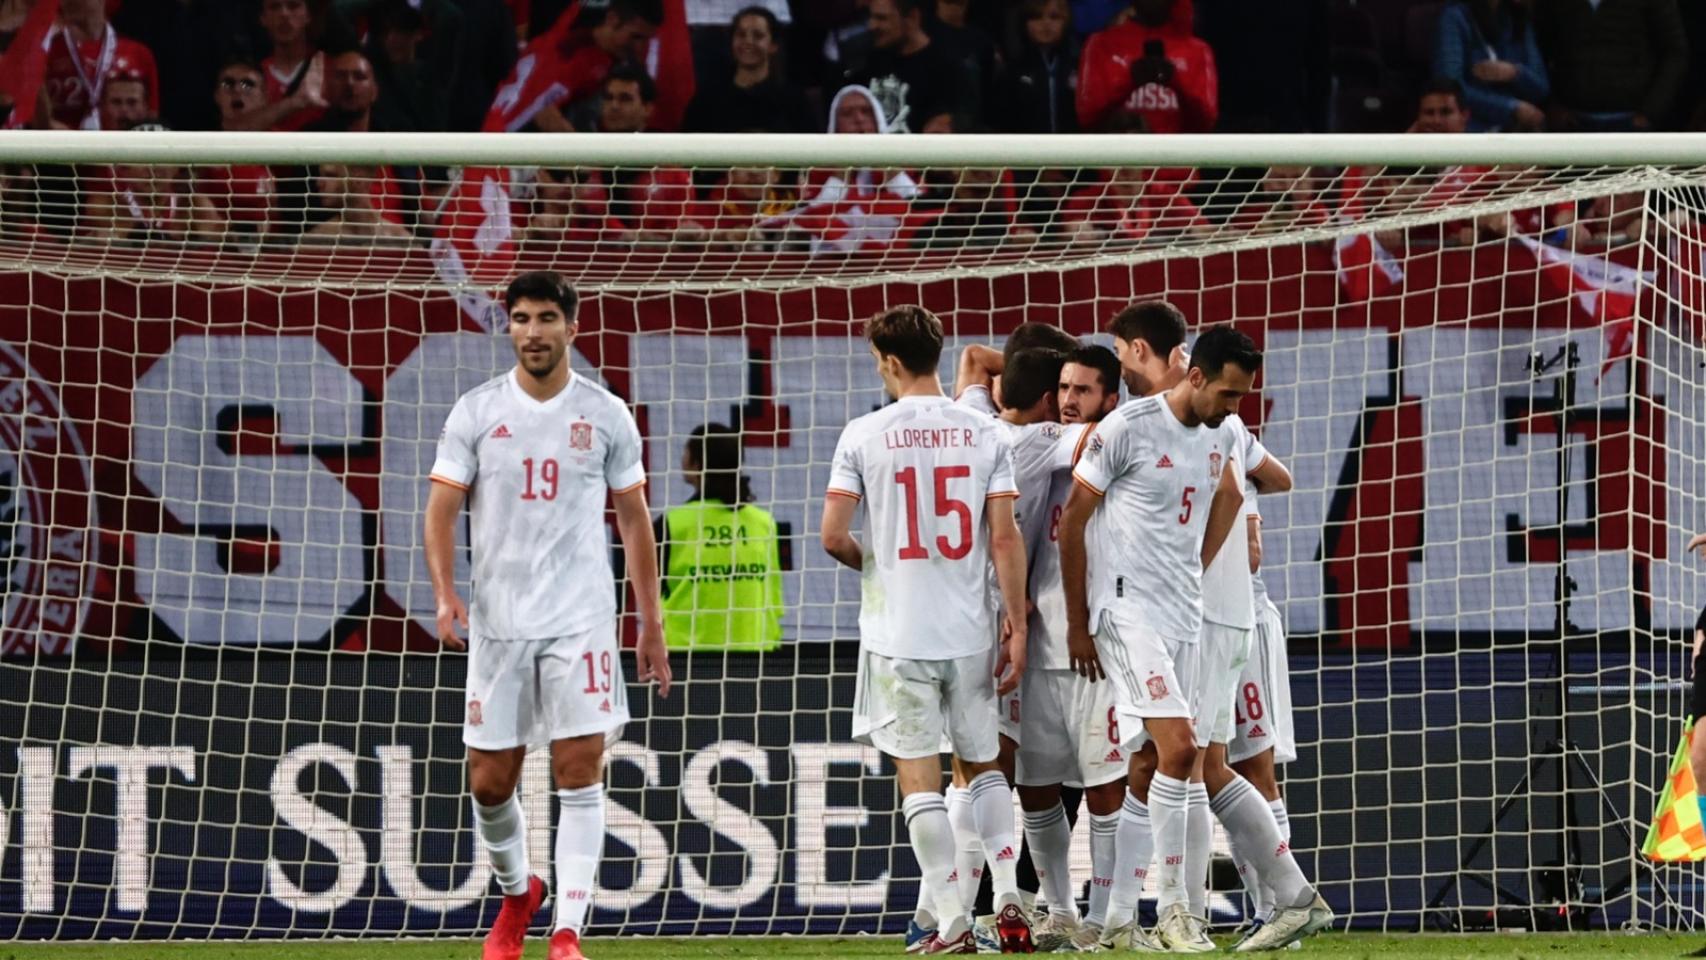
x=1058, y=589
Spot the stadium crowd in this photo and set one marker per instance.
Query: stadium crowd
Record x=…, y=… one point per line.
x=842, y=66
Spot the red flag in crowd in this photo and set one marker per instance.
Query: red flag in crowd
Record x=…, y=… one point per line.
x=25, y=62
x=669, y=60
x=1606, y=291
x=1366, y=268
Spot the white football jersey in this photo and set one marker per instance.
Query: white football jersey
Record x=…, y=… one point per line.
x=1042, y=469
x=1046, y=649
x=537, y=475
x=1157, y=478
x=924, y=467
x=1258, y=589
x=1227, y=597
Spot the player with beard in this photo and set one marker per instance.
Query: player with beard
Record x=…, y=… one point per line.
x=1155, y=462
x=535, y=452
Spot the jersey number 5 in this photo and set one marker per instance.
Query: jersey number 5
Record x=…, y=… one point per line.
x=945, y=506
x=1185, y=514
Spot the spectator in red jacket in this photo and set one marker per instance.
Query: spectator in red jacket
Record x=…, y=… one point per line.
x=83, y=53
x=1150, y=67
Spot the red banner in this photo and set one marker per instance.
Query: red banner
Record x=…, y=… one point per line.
x=250, y=460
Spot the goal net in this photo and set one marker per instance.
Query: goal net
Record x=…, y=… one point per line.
x=225, y=362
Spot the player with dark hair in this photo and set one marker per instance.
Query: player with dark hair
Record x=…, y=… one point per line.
x=1155, y=462
x=544, y=665
x=937, y=483
x=1149, y=340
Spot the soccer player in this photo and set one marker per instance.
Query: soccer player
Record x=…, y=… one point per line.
x=1229, y=618
x=1068, y=733
x=1173, y=490
x=937, y=480
x=1264, y=736
x=535, y=451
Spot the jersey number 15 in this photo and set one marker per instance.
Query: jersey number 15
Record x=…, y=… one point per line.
x=945, y=506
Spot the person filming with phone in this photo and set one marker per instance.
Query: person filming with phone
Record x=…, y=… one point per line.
x=1149, y=73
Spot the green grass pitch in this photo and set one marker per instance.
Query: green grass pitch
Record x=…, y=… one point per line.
x=1375, y=947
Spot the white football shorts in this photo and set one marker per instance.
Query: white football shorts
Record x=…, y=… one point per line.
x=526, y=693
x=913, y=708
x=1070, y=731
x=1263, y=699
x=1224, y=652
x=1153, y=678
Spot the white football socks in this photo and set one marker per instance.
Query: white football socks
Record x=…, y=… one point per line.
x=1050, y=840
x=1250, y=824
x=1169, y=805
x=992, y=806
x=968, y=846
x=1134, y=848
x=580, y=845
x=503, y=832
x=1199, y=848
x=933, y=845
x=1104, y=833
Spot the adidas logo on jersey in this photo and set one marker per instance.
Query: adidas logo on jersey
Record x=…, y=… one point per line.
x=1113, y=756
x=1165, y=462
x=501, y=433
x=604, y=707
x=1256, y=731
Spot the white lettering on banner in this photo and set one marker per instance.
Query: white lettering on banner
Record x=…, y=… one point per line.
x=35, y=810
x=814, y=818
x=130, y=767
x=418, y=398
x=299, y=812
x=651, y=848
x=1328, y=394
x=331, y=878
x=223, y=435
x=397, y=841
x=763, y=859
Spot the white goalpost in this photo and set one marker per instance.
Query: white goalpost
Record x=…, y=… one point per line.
x=225, y=361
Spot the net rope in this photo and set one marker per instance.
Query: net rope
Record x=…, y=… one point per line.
x=225, y=722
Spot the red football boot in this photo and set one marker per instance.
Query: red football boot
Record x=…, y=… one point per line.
x=509, y=930
x=566, y=945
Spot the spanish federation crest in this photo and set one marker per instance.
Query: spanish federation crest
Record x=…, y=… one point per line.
x=580, y=435
x=1214, y=465
x=46, y=512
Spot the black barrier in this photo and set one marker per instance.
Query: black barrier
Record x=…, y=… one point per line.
x=315, y=794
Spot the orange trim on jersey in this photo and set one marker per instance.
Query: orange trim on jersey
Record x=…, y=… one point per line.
x=1002, y=496
x=838, y=492
x=631, y=486
x=1088, y=485
x=435, y=478
x=1083, y=441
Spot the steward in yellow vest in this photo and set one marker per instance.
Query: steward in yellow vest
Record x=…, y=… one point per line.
x=720, y=556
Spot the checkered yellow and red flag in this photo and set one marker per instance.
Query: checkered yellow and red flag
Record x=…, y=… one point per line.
x=1677, y=832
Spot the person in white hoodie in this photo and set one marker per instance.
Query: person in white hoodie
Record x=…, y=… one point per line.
x=850, y=210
